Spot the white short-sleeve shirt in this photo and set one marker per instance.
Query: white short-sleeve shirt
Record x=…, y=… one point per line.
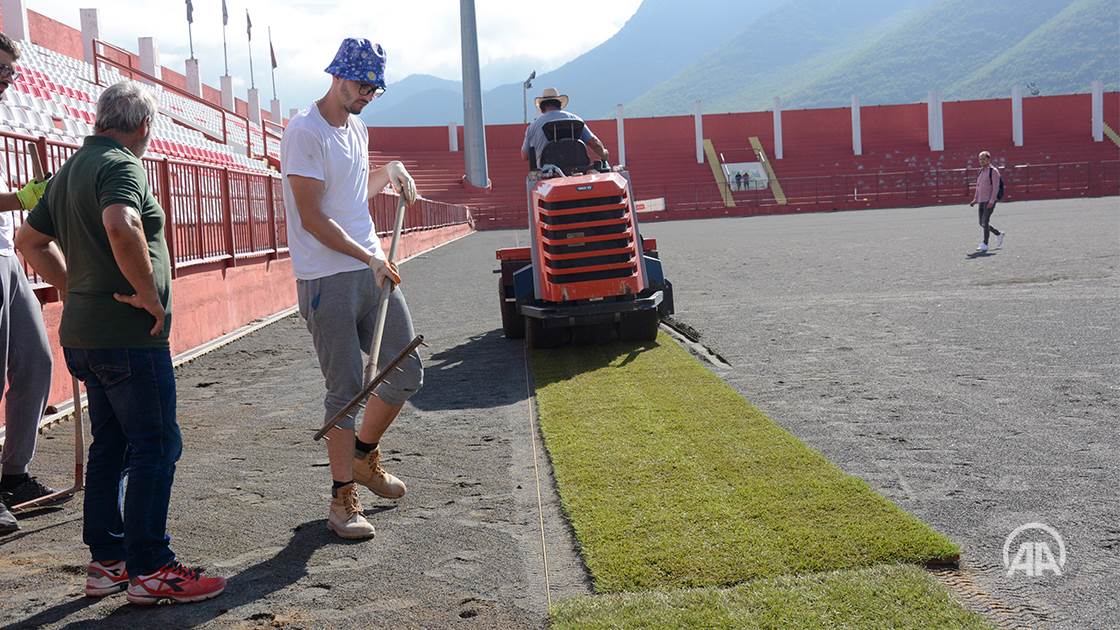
x=7, y=223
x=338, y=157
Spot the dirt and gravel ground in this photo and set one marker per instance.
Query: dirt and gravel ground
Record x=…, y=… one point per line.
x=978, y=393
x=463, y=548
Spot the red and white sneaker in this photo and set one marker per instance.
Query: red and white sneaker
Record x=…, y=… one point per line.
x=174, y=583
x=105, y=578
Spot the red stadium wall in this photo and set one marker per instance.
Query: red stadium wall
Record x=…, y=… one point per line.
x=897, y=168
x=64, y=39
x=54, y=35
x=208, y=303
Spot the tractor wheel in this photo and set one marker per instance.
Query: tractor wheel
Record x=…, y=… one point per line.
x=513, y=324
x=639, y=326
x=541, y=337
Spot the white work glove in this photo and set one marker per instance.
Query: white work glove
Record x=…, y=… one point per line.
x=401, y=181
x=383, y=269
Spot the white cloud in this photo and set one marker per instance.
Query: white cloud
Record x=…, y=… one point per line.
x=418, y=36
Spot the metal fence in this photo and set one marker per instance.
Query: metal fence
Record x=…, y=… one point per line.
x=215, y=215
x=889, y=189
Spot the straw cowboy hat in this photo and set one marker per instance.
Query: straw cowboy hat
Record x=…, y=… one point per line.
x=550, y=94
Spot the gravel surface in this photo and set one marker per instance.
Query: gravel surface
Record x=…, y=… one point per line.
x=462, y=549
x=979, y=394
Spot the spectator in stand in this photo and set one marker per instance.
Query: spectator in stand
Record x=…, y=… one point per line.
x=340, y=269
x=552, y=104
x=987, y=194
x=738, y=181
x=25, y=356
x=746, y=180
x=115, y=269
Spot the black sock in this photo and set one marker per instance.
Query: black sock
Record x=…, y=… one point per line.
x=338, y=484
x=365, y=448
x=11, y=481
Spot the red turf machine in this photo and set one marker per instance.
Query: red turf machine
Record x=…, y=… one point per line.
x=587, y=276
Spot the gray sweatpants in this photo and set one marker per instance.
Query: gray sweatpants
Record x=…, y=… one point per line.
x=25, y=366
x=341, y=311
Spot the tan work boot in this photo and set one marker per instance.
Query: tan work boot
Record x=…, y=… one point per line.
x=369, y=473
x=345, y=518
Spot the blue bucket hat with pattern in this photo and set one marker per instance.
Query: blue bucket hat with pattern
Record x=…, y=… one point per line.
x=359, y=60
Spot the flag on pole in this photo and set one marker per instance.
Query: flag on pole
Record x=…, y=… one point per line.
x=225, y=14
x=248, y=25
x=272, y=52
x=190, y=12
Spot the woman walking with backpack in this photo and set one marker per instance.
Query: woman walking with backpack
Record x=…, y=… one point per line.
x=989, y=190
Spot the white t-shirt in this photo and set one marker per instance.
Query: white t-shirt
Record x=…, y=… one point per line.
x=338, y=157
x=7, y=222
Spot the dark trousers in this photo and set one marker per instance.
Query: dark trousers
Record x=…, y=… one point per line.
x=132, y=416
x=986, y=211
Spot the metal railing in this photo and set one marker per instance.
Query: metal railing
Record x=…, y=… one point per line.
x=889, y=189
x=231, y=123
x=214, y=215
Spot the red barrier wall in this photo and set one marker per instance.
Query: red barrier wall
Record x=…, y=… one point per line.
x=1063, y=118
x=969, y=123
x=209, y=303
x=54, y=35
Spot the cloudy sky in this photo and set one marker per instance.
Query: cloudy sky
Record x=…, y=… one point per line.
x=419, y=36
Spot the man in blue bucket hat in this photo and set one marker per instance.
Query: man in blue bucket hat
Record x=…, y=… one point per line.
x=324, y=158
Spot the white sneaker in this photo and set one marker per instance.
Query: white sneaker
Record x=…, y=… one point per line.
x=982, y=247
x=999, y=240
x=345, y=518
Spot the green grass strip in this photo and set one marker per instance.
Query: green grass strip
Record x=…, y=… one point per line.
x=671, y=479
x=881, y=597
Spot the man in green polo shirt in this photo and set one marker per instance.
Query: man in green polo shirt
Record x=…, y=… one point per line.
x=114, y=269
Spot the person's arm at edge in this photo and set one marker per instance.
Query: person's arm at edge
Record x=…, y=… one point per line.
x=130, y=251
x=996, y=178
x=9, y=201
x=41, y=252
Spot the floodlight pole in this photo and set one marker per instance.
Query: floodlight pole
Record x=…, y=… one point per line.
x=474, y=129
x=525, y=96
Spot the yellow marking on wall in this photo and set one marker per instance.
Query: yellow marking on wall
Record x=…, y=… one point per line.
x=775, y=187
x=717, y=172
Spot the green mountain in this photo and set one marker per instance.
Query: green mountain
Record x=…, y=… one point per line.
x=944, y=44
x=818, y=53
x=785, y=47
x=1077, y=46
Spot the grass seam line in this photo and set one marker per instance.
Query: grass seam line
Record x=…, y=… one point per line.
x=536, y=472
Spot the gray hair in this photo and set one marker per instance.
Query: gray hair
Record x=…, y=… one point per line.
x=123, y=107
x=985, y=154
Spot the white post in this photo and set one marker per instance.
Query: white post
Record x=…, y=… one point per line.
x=698, y=119
x=620, y=126
x=194, y=81
x=1017, y=115
x=933, y=116
x=276, y=111
x=778, y=128
x=149, y=57
x=254, y=105
x=227, y=92
x=15, y=20
x=857, y=130
x=453, y=137
x=1098, y=111
x=91, y=30
x=940, y=123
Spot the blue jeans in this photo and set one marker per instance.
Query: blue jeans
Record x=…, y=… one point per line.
x=132, y=417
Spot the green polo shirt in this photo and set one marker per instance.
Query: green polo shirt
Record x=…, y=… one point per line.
x=100, y=174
